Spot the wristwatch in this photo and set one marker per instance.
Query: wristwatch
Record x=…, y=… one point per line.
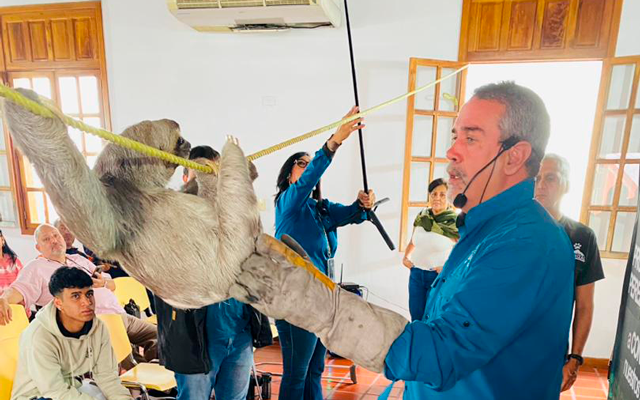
x=576, y=357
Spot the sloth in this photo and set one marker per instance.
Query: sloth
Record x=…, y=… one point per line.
x=187, y=249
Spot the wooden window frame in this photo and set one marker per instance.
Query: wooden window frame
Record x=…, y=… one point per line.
x=435, y=113
x=95, y=66
x=8, y=153
x=596, y=138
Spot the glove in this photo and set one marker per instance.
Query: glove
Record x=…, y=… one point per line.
x=282, y=284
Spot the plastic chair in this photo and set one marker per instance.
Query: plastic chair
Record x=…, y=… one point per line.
x=18, y=323
x=9, y=345
x=117, y=333
x=8, y=365
x=128, y=288
x=143, y=376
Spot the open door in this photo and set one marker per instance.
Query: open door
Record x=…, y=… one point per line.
x=430, y=117
x=610, y=207
x=611, y=187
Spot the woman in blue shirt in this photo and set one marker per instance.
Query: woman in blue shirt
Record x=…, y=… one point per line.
x=303, y=214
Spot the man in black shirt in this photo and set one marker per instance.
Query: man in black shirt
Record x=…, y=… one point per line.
x=552, y=183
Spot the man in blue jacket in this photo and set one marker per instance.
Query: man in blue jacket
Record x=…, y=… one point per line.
x=497, y=319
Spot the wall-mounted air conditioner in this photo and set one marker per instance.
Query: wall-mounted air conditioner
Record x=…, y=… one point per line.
x=256, y=15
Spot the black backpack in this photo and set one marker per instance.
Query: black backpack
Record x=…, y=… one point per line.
x=260, y=329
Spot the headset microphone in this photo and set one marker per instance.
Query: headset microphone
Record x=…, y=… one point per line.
x=461, y=199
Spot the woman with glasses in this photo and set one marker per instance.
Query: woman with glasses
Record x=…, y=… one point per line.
x=434, y=234
x=312, y=221
x=10, y=265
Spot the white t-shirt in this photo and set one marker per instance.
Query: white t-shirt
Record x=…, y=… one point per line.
x=431, y=249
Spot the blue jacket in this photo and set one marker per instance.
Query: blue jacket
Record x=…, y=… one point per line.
x=226, y=320
x=496, y=324
x=313, y=227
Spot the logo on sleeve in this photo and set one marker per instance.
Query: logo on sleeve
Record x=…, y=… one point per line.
x=579, y=254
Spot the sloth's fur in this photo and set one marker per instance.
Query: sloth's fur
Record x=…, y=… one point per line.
x=187, y=249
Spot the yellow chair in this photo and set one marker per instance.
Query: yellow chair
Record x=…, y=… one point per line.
x=128, y=288
x=144, y=375
x=19, y=322
x=8, y=365
x=117, y=332
x=9, y=349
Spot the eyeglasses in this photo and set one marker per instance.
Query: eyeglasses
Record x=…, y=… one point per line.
x=548, y=179
x=302, y=163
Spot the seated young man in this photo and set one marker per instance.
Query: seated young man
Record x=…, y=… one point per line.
x=31, y=288
x=66, y=347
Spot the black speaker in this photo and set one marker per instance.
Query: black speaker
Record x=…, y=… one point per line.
x=263, y=386
x=351, y=287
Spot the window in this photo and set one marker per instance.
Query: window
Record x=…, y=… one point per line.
x=56, y=50
x=430, y=117
x=7, y=203
x=77, y=94
x=611, y=193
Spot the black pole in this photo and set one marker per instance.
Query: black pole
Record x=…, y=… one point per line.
x=355, y=95
x=371, y=215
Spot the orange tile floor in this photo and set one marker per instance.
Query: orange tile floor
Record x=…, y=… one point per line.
x=590, y=385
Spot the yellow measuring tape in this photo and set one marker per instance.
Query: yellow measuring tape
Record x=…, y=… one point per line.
x=49, y=111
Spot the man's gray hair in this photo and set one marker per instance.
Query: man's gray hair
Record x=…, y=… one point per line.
x=525, y=117
x=38, y=230
x=564, y=169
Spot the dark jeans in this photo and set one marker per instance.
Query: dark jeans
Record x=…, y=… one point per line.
x=302, y=363
x=419, y=287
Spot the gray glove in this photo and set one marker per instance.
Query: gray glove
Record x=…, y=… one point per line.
x=282, y=284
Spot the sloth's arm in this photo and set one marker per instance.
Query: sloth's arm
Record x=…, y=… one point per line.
x=76, y=192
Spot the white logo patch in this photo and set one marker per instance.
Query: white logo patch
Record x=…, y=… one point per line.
x=579, y=254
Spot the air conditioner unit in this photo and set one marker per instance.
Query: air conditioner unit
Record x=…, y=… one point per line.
x=256, y=15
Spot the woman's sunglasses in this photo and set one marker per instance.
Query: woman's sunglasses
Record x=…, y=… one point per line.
x=302, y=163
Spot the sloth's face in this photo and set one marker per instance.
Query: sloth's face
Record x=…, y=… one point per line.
x=182, y=147
x=161, y=134
x=178, y=145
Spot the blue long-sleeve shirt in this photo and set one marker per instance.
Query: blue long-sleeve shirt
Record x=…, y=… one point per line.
x=298, y=215
x=226, y=320
x=498, y=316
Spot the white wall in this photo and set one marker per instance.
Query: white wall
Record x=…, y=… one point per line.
x=607, y=307
x=628, y=43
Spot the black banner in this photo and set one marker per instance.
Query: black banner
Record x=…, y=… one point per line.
x=624, y=376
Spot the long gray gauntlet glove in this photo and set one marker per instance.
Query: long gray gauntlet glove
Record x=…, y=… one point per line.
x=281, y=284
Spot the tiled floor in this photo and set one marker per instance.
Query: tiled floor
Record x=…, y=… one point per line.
x=369, y=385
x=590, y=385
